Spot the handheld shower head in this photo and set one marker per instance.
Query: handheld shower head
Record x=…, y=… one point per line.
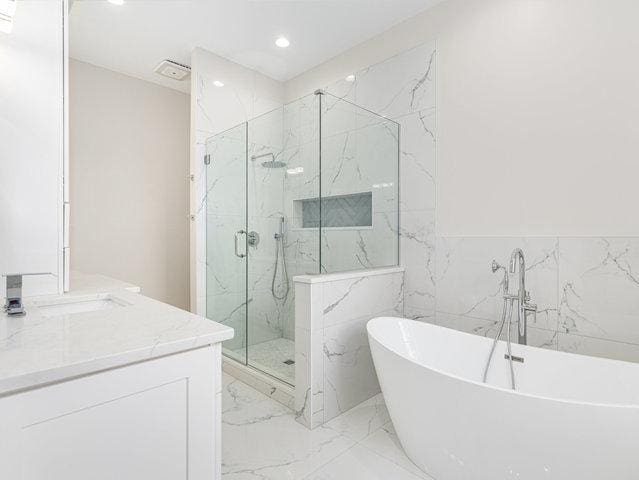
x=495, y=267
x=279, y=251
x=280, y=234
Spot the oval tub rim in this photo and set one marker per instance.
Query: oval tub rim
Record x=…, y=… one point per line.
x=378, y=320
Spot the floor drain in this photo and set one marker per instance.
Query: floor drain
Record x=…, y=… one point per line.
x=289, y=362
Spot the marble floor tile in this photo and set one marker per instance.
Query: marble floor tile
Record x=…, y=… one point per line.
x=261, y=440
x=361, y=463
x=385, y=443
x=362, y=420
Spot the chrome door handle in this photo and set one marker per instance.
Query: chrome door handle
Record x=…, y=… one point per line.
x=237, y=253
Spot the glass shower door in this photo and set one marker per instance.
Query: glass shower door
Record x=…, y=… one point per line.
x=270, y=335
x=226, y=239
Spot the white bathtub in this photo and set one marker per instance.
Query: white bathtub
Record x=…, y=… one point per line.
x=572, y=417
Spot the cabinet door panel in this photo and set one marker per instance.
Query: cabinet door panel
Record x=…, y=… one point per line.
x=151, y=420
x=111, y=440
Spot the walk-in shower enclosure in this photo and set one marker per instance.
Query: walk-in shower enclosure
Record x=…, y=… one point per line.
x=309, y=188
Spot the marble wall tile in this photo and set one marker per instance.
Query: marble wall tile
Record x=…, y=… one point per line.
x=309, y=377
x=235, y=101
x=344, y=89
x=367, y=295
x=225, y=272
x=417, y=252
x=199, y=187
x=599, y=288
x=400, y=85
x=598, y=347
x=417, y=162
x=349, y=373
x=309, y=306
x=266, y=317
x=360, y=159
x=403, y=88
x=226, y=175
x=334, y=369
x=345, y=249
x=585, y=288
x=467, y=287
x=537, y=337
x=230, y=309
x=246, y=95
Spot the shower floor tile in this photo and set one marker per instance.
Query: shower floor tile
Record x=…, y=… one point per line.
x=273, y=357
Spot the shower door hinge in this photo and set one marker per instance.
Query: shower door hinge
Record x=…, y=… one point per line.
x=207, y=159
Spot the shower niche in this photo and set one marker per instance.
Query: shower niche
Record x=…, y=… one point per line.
x=309, y=188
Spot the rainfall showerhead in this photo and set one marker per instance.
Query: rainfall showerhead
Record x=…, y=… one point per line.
x=272, y=163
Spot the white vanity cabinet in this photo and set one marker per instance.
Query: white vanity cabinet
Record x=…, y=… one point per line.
x=157, y=419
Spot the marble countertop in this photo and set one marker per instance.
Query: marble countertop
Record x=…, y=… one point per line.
x=36, y=349
x=80, y=282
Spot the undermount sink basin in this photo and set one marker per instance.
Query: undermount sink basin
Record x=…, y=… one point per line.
x=69, y=306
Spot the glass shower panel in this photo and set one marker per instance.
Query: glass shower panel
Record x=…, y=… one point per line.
x=309, y=188
x=359, y=187
x=226, y=240
x=282, y=164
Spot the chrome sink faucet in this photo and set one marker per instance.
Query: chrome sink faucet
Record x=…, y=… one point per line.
x=13, y=303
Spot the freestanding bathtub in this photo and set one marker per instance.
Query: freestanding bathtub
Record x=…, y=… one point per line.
x=572, y=417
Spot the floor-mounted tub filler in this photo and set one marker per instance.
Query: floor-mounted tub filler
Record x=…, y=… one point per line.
x=571, y=417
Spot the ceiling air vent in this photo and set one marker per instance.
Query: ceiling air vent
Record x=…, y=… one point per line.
x=173, y=70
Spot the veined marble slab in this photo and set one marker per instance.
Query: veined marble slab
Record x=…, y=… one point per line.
x=36, y=350
x=333, y=367
x=263, y=440
x=83, y=283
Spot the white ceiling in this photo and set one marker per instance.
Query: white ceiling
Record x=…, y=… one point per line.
x=135, y=37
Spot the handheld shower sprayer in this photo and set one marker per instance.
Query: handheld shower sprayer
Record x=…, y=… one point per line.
x=279, y=250
x=506, y=317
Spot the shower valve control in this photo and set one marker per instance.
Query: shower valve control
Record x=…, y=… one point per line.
x=253, y=238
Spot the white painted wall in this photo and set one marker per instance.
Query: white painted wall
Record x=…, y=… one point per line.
x=537, y=113
x=31, y=145
x=129, y=181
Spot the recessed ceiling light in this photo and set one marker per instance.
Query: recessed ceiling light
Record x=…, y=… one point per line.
x=218, y=84
x=350, y=78
x=116, y=2
x=282, y=42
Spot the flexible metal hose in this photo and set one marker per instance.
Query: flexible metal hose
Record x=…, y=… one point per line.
x=506, y=313
x=279, y=245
